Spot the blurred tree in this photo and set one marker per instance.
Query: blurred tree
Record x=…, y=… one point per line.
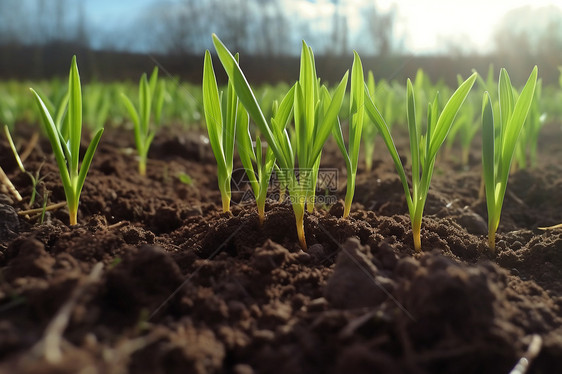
x=380, y=28
x=530, y=31
x=252, y=26
x=178, y=27
x=234, y=17
x=339, y=30
x=272, y=36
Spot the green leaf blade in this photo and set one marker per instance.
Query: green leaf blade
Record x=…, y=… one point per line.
x=517, y=119
x=54, y=139
x=488, y=157
x=248, y=99
x=74, y=117
x=357, y=109
x=87, y=161
x=448, y=115
x=330, y=117
x=212, y=110
x=414, y=139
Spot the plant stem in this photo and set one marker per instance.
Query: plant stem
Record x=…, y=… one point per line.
x=310, y=204
x=142, y=166
x=225, y=203
x=349, y=194
x=73, y=218
x=492, y=240
x=73, y=214
x=416, y=232
x=281, y=194
x=260, y=203
x=465, y=156
x=300, y=229
x=261, y=214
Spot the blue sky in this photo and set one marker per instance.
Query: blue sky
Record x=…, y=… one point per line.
x=112, y=11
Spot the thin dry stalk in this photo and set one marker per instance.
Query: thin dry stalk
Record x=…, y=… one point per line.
x=8, y=183
x=29, y=147
x=40, y=210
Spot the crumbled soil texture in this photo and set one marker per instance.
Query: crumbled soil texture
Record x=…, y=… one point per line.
x=156, y=279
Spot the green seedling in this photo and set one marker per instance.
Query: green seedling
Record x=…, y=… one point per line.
x=67, y=150
x=144, y=134
x=423, y=153
x=314, y=121
x=185, y=178
x=260, y=175
x=221, y=115
x=369, y=130
x=311, y=105
x=356, y=119
x=498, y=146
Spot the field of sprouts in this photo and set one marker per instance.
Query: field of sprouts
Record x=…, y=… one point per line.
x=360, y=227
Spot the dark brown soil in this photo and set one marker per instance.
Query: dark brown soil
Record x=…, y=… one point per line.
x=185, y=288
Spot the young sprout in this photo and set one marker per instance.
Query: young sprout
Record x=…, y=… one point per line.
x=423, y=153
x=260, y=176
x=221, y=116
x=148, y=94
x=314, y=121
x=310, y=107
x=497, y=150
x=369, y=130
x=67, y=149
x=357, y=114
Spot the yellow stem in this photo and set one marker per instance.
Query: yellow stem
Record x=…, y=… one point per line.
x=300, y=232
x=492, y=240
x=282, y=195
x=261, y=214
x=142, y=168
x=346, y=210
x=73, y=216
x=225, y=203
x=416, y=232
x=310, y=205
x=349, y=195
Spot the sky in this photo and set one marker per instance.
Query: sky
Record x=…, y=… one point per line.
x=423, y=25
